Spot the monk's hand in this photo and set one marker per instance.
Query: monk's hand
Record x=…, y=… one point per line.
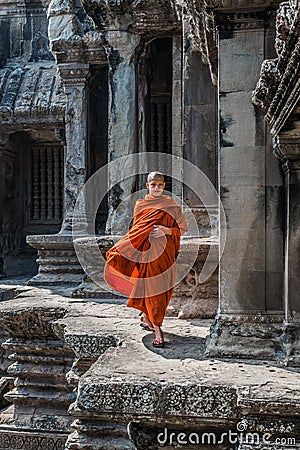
x=160, y=230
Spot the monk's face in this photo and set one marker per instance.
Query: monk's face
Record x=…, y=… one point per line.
x=156, y=187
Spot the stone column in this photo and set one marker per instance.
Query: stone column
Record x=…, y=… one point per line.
x=120, y=50
x=199, y=125
x=177, y=115
x=289, y=150
x=248, y=323
x=57, y=258
x=121, y=125
x=74, y=77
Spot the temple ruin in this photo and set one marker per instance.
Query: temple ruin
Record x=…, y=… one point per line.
x=84, y=83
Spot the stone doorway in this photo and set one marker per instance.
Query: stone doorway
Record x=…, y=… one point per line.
x=98, y=133
x=155, y=89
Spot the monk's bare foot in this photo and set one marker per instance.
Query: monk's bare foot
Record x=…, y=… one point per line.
x=158, y=333
x=159, y=338
x=146, y=321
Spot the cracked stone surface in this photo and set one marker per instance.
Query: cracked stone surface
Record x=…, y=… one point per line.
x=119, y=376
x=182, y=358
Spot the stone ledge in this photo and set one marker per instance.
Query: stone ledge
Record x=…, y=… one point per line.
x=178, y=389
x=169, y=382
x=123, y=379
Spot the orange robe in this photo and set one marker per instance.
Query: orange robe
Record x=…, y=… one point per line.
x=143, y=267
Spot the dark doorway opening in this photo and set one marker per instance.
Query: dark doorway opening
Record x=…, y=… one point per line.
x=156, y=81
x=98, y=133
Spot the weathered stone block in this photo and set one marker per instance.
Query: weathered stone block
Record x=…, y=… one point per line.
x=242, y=290
x=192, y=299
x=235, y=159
x=244, y=208
x=240, y=68
x=248, y=336
x=236, y=109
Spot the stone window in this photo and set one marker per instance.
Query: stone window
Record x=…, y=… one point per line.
x=46, y=190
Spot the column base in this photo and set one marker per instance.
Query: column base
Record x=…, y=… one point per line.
x=251, y=337
x=58, y=263
x=291, y=344
x=89, y=289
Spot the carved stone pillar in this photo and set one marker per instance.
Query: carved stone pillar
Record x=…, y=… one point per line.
x=277, y=92
x=121, y=124
x=249, y=320
x=57, y=257
x=75, y=84
x=41, y=396
x=289, y=150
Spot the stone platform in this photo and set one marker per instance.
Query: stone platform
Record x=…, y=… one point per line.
x=87, y=377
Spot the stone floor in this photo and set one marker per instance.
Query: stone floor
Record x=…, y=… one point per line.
x=142, y=377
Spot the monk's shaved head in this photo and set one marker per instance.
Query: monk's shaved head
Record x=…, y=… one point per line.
x=155, y=176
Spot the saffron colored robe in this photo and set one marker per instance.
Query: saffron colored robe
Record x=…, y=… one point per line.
x=143, y=267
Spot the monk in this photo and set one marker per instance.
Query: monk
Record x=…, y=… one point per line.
x=142, y=265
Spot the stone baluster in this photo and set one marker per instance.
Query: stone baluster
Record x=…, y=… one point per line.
x=50, y=161
x=153, y=133
x=249, y=321
x=41, y=396
x=160, y=127
x=43, y=182
x=168, y=122
x=57, y=183
x=35, y=184
x=289, y=150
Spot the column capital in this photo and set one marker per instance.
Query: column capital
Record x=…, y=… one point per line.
x=291, y=165
x=74, y=74
x=287, y=149
x=241, y=20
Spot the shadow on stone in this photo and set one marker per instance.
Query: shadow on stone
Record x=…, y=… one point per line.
x=178, y=347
